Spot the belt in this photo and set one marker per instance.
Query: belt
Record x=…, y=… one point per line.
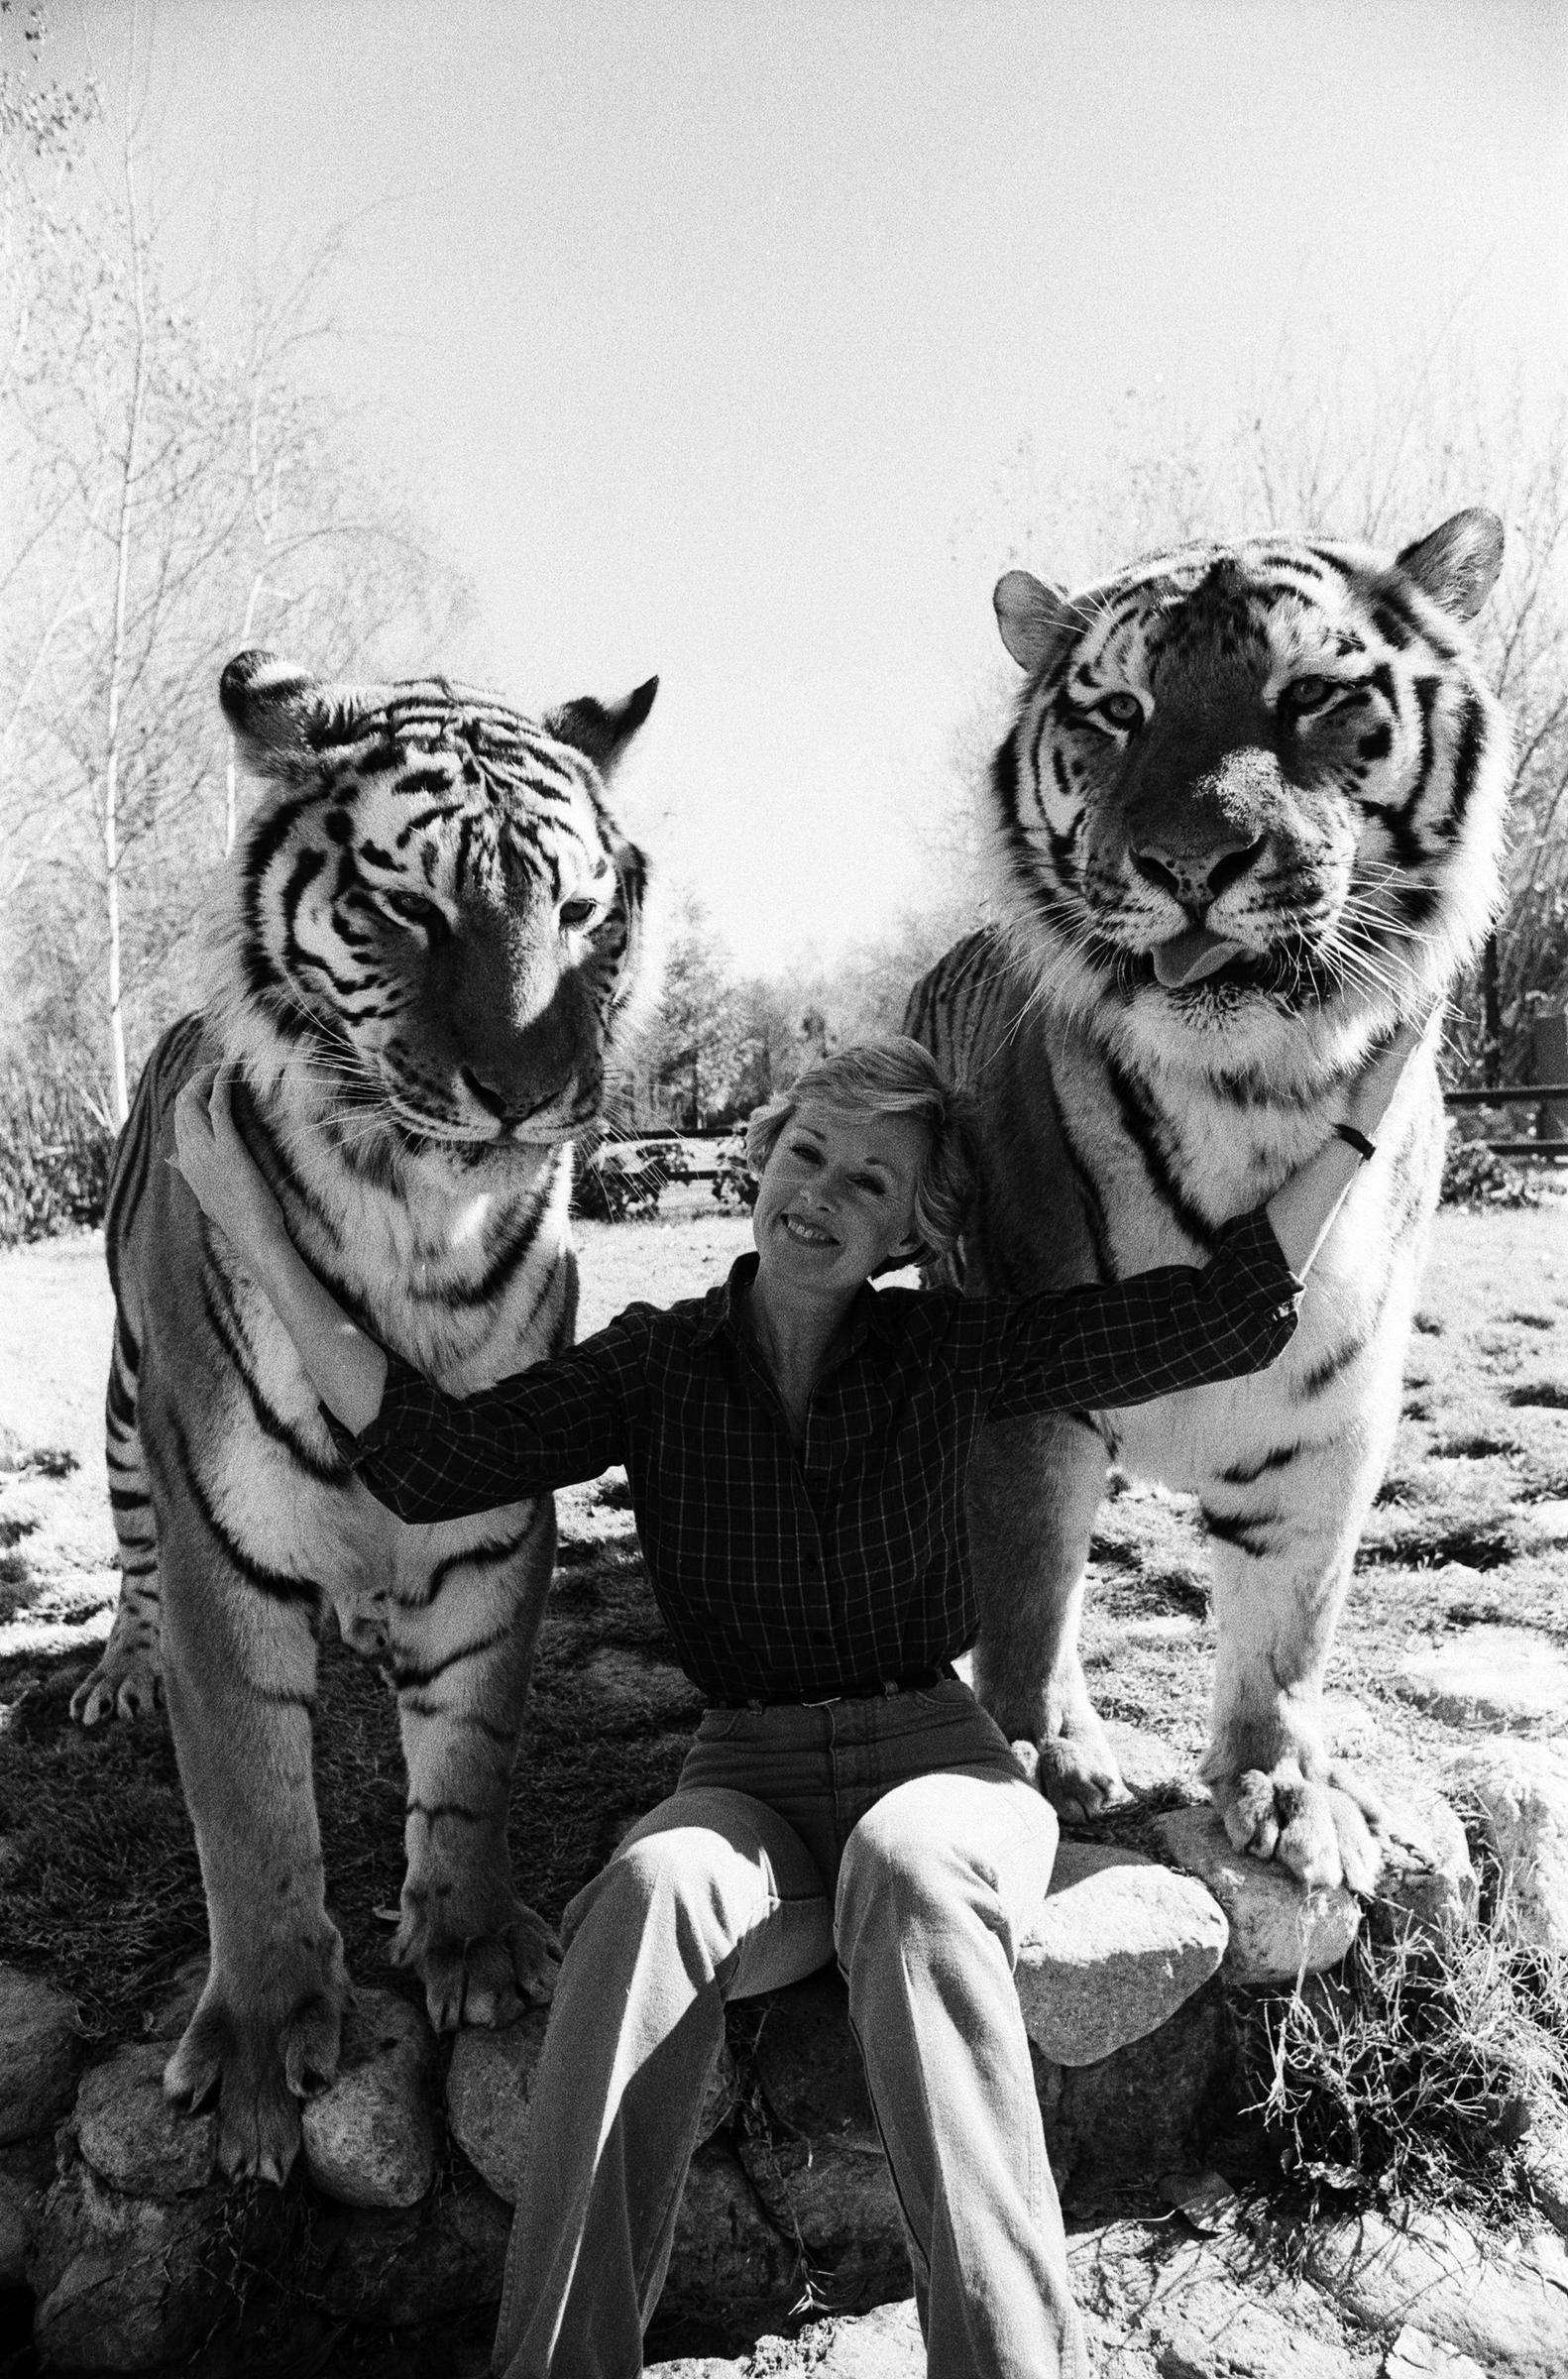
x=915, y=1680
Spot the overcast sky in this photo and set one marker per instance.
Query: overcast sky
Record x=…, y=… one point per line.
x=711, y=324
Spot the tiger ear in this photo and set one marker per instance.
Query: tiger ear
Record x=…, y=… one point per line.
x=602, y=730
x=1028, y=612
x=1457, y=565
x=284, y=718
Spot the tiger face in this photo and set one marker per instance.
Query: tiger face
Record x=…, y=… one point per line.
x=1250, y=803
x=436, y=911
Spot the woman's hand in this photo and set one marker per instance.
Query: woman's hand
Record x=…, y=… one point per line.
x=1372, y=1092
x=219, y=1170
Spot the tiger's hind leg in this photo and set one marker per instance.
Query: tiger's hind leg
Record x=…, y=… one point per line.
x=127, y=1679
x=461, y=1662
x=1035, y=1487
x=239, y=1670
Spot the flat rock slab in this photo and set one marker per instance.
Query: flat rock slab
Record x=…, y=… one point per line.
x=882, y=2344
x=374, y=2138
x=1509, y=1678
x=40, y=2050
x=1120, y=1944
x=1414, y=2355
x=132, y=2137
x=1277, y=1930
x=1495, y=2301
x=1521, y=1790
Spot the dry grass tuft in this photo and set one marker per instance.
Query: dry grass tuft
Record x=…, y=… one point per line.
x=1415, y=2070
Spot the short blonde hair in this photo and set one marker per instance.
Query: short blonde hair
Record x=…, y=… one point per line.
x=893, y=1075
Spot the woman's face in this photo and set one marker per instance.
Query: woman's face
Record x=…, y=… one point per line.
x=836, y=1197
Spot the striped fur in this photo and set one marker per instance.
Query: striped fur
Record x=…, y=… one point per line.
x=429, y=945
x=1276, y=759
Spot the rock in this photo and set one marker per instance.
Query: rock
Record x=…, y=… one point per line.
x=1511, y=1678
x=18, y=2204
x=1546, y=1522
x=1495, y=2304
x=130, y=2134
x=1544, y=2154
x=808, y=2065
x=374, y=2138
x=1427, y=1877
x=397, y=2268
x=1521, y=1791
x=40, y=2048
x=1131, y=2113
x=1277, y=1930
x=1414, y=2355
x=1119, y=1944
x=489, y=2089
x=839, y=2202
x=123, y=2284
x=725, y=2252
x=1204, y=2327
x=884, y=2343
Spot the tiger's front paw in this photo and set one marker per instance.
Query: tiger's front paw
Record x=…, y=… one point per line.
x=123, y=1685
x=257, y=2065
x=1325, y=1833
x=1075, y=1770
x=487, y=1977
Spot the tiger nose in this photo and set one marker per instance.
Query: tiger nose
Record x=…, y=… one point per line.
x=495, y=1100
x=1196, y=878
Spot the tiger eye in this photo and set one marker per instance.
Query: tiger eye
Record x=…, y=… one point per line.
x=1123, y=709
x=1308, y=693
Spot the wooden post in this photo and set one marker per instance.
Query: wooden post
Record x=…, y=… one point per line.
x=1549, y=1063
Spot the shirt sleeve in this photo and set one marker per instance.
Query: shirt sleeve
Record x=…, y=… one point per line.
x=430, y=1456
x=1125, y=1341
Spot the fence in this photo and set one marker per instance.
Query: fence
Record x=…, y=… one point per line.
x=1548, y=1095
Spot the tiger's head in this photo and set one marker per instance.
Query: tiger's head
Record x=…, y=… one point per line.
x=1250, y=811
x=434, y=934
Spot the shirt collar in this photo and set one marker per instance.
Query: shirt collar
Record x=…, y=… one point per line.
x=720, y=1309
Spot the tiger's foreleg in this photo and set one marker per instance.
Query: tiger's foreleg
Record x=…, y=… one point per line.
x=240, y=1668
x=1283, y=1545
x=1035, y=1487
x=461, y=1658
x=125, y=1682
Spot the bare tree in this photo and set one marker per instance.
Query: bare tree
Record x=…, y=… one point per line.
x=184, y=495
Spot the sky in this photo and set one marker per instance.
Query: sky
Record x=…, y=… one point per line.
x=706, y=328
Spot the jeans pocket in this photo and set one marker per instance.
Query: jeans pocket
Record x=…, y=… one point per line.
x=716, y=1726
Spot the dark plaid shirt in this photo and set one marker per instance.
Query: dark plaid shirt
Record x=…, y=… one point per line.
x=799, y=1569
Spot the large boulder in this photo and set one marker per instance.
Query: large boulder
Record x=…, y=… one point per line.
x=1119, y=1944
x=40, y=2051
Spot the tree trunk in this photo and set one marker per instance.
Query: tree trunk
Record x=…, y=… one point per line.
x=1492, y=1014
x=111, y=765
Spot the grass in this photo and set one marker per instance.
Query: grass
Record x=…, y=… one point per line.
x=1413, y=2072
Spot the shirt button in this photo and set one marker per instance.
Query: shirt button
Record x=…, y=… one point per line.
x=819, y=1636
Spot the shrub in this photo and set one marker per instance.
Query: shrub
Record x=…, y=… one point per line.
x=1415, y=2070
x=734, y=1184
x=1474, y=1177
x=54, y=1153
x=618, y=1183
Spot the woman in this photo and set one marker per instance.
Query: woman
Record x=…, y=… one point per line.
x=796, y=1445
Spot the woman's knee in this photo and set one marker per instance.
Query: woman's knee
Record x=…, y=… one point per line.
x=945, y=1843
x=678, y=1878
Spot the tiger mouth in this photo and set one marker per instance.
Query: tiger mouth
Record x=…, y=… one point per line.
x=1291, y=972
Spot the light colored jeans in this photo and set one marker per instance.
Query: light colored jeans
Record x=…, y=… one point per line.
x=914, y=1808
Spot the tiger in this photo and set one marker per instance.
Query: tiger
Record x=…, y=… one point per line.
x=1246, y=820
x=427, y=955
